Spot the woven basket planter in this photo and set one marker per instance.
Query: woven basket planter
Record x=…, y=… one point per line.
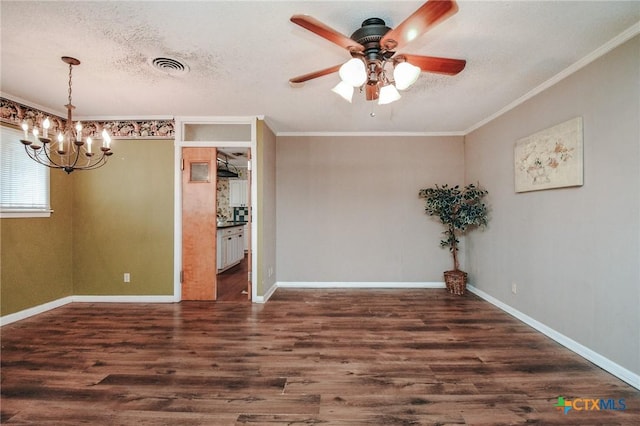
x=456, y=282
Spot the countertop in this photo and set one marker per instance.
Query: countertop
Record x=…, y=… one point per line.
x=230, y=224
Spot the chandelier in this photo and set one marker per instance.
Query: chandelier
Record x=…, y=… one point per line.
x=68, y=151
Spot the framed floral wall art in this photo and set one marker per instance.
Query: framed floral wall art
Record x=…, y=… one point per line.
x=551, y=158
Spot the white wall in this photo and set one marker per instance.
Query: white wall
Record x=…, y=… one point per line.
x=349, y=212
x=574, y=252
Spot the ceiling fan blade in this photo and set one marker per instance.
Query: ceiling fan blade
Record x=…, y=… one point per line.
x=434, y=64
x=428, y=15
x=324, y=31
x=296, y=81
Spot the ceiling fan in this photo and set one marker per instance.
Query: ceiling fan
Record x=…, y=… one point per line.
x=373, y=47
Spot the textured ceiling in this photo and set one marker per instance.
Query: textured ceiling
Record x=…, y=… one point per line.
x=241, y=54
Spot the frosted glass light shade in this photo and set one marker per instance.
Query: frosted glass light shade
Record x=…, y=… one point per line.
x=345, y=90
x=405, y=75
x=388, y=94
x=353, y=72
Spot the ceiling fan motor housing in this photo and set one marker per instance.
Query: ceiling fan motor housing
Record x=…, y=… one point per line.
x=369, y=35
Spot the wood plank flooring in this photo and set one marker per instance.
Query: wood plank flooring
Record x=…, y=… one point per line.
x=233, y=282
x=338, y=357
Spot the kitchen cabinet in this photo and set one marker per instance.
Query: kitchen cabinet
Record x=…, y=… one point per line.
x=238, y=194
x=230, y=250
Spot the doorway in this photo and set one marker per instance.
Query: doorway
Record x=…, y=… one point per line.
x=219, y=133
x=233, y=199
x=216, y=224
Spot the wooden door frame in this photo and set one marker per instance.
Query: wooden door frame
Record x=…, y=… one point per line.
x=177, y=229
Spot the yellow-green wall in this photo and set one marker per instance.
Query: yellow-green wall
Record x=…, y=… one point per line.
x=123, y=222
x=35, y=253
x=266, y=207
x=106, y=222
x=117, y=219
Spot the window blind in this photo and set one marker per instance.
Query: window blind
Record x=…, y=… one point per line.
x=24, y=184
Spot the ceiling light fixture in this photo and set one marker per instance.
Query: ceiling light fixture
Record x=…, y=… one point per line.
x=353, y=72
x=388, y=94
x=367, y=68
x=376, y=82
x=405, y=75
x=68, y=152
x=373, y=49
x=223, y=169
x=345, y=90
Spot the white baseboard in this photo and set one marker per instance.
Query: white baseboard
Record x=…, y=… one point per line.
x=390, y=285
x=267, y=295
x=123, y=299
x=606, y=364
x=30, y=312
x=26, y=313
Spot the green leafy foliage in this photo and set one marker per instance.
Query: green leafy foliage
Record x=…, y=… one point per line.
x=459, y=209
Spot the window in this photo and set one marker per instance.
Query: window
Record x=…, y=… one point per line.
x=24, y=184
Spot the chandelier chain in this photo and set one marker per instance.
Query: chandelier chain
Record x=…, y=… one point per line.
x=70, y=70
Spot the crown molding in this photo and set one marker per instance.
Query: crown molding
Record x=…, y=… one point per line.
x=599, y=52
x=370, y=134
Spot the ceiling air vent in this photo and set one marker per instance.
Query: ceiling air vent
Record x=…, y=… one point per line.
x=169, y=66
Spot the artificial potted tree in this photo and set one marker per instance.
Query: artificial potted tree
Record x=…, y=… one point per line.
x=459, y=210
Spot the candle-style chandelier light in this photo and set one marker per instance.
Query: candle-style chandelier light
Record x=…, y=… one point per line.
x=68, y=152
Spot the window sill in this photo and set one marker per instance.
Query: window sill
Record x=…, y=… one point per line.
x=25, y=214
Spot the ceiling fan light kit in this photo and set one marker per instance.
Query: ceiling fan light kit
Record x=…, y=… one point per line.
x=405, y=75
x=388, y=94
x=344, y=90
x=353, y=72
x=372, y=48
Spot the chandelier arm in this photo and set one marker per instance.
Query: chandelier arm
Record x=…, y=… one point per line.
x=49, y=159
x=38, y=159
x=72, y=166
x=37, y=155
x=97, y=164
x=31, y=155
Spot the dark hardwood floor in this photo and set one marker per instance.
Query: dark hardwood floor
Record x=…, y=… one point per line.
x=232, y=283
x=339, y=357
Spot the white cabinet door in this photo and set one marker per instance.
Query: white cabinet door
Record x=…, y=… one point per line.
x=230, y=248
x=240, y=245
x=237, y=193
x=220, y=251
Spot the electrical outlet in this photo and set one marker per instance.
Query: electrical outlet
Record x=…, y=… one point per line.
x=127, y=277
x=514, y=288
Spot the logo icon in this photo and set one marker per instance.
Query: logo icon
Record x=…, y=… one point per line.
x=563, y=405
